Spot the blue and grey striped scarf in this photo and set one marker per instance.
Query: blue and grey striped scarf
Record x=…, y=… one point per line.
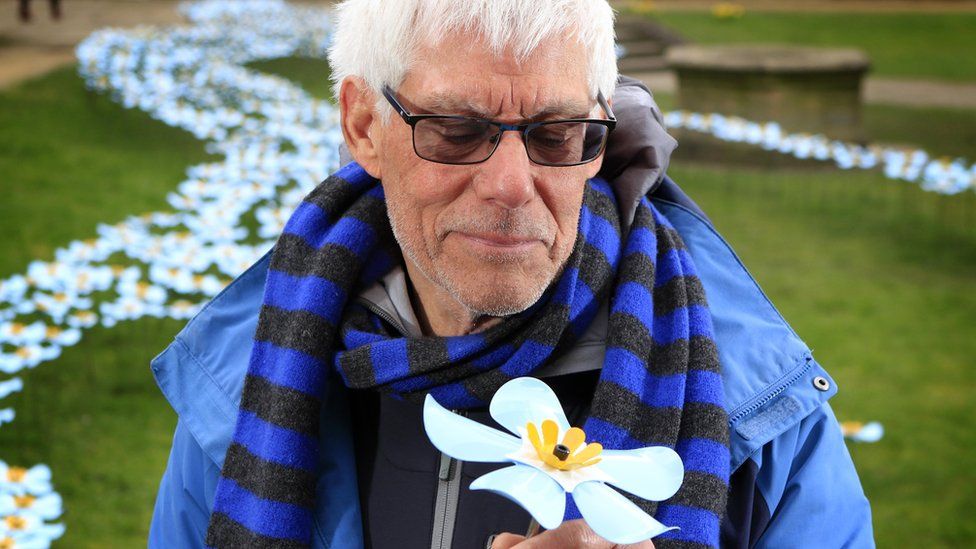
x=660, y=384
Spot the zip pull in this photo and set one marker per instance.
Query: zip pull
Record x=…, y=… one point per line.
x=446, y=467
x=445, y=508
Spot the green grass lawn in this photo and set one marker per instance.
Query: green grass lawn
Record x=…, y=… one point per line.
x=97, y=418
x=886, y=297
x=879, y=287
x=904, y=45
x=940, y=131
x=309, y=73
x=71, y=159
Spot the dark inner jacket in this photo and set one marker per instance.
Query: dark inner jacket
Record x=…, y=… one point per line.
x=413, y=496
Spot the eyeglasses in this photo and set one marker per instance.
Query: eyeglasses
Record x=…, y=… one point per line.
x=453, y=139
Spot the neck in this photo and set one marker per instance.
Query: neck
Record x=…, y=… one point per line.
x=438, y=312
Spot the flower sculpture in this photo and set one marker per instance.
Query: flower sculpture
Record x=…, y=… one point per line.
x=862, y=432
x=27, y=502
x=551, y=459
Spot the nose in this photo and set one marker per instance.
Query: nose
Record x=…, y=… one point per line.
x=506, y=178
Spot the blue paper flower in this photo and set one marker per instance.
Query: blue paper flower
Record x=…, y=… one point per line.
x=862, y=432
x=46, y=507
x=546, y=469
x=18, y=481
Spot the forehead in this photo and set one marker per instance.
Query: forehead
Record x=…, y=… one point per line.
x=462, y=72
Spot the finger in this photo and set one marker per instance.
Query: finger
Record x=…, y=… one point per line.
x=573, y=533
x=506, y=540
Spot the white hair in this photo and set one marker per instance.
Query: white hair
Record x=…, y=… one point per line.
x=376, y=40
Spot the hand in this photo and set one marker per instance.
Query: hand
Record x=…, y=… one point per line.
x=573, y=533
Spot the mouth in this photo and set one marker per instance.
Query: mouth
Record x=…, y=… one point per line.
x=500, y=240
x=498, y=245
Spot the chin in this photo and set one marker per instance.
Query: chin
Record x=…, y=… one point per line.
x=496, y=295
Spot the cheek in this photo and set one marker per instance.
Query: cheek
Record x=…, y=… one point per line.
x=564, y=199
x=417, y=197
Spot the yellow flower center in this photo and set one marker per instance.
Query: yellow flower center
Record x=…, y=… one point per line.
x=641, y=6
x=728, y=10
x=24, y=502
x=7, y=543
x=16, y=523
x=567, y=455
x=17, y=328
x=16, y=474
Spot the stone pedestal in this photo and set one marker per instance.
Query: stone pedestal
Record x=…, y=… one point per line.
x=808, y=90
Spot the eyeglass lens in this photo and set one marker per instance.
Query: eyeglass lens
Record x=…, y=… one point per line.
x=471, y=140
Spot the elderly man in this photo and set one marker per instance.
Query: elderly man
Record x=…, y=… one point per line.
x=506, y=215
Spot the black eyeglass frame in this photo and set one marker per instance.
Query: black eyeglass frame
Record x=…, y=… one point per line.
x=412, y=119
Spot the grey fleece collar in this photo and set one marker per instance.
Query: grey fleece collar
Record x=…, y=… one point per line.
x=390, y=298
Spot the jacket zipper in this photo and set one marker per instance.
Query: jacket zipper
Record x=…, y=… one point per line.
x=385, y=316
x=797, y=374
x=448, y=473
x=446, y=502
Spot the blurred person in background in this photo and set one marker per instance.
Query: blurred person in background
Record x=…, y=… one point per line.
x=24, y=10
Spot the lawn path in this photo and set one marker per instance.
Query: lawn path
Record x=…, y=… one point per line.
x=29, y=50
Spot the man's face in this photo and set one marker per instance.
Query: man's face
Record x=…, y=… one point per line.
x=490, y=236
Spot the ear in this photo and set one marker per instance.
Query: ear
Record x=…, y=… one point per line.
x=593, y=168
x=360, y=124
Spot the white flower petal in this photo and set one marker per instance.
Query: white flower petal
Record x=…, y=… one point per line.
x=534, y=490
x=614, y=517
x=463, y=438
x=526, y=399
x=653, y=473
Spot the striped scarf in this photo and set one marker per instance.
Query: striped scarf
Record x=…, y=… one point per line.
x=660, y=384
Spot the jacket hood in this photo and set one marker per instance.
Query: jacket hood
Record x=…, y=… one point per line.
x=638, y=150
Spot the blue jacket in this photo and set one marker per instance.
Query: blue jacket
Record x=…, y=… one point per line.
x=794, y=481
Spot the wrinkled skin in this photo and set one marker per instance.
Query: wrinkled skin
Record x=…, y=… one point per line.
x=486, y=240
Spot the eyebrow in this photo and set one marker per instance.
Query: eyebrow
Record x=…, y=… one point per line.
x=442, y=103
